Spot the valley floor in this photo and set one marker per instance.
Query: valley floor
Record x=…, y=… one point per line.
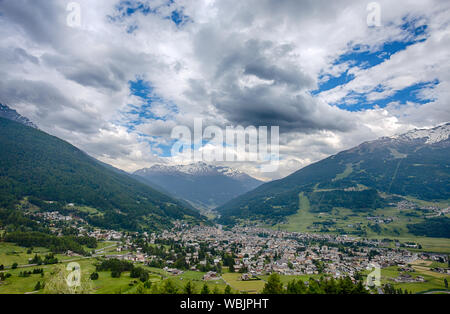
x=386, y=223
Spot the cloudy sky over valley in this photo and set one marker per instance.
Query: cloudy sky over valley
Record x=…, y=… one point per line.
x=117, y=85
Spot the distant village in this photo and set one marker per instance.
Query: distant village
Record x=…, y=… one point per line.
x=263, y=251
x=433, y=211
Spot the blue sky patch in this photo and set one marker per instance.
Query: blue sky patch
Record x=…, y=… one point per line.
x=141, y=114
x=358, y=102
x=127, y=8
x=179, y=18
x=137, y=115
x=363, y=57
x=330, y=82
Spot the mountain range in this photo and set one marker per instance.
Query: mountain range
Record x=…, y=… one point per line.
x=363, y=179
x=339, y=193
x=202, y=185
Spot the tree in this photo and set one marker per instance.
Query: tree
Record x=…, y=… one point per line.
x=388, y=289
x=139, y=272
x=169, y=288
x=144, y=277
x=154, y=289
x=228, y=290
x=205, y=289
x=189, y=288
x=216, y=290
x=140, y=289
x=296, y=287
x=446, y=283
x=115, y=274
x=231, y=268
x=37, y=287
x=360, y=289
x=315, y=287
x=147, y=284
x=14, y=266
x=2, y=267
x=94, y=276
x=273, y=285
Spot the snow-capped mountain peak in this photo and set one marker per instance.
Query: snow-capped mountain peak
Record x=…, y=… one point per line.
x=10, y=114
x=199, y=168
x=203, y=185
x=432, y=136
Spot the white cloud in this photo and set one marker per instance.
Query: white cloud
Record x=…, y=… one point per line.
x=234, y=62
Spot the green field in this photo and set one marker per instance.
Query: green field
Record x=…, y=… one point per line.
x=251, y=286
x=10, y=253
x=434, y=281
x=435, y=245
x=302, y=219
x=196, y=279
x=345, y=221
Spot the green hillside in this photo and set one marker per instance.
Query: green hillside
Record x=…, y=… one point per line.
x=37, y=165
x=369, y=180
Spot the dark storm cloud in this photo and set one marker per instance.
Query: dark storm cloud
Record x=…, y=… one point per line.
x=40, y=20
x=87, y=74
x=16, y=56
x=291, y=76
x=280, y=98
x=38, y=92
x=48, y=105
x=22, y=55
x=266, y=106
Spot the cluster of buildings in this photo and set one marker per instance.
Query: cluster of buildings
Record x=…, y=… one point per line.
x=260, y=251
x=256, y=251
x=106, y=235
x=381, y=220
x=51, y=216
x=434, y=210
x=407, y=278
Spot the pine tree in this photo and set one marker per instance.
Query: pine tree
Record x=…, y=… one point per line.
x=169, y=288
x=189, y=288
x=273, y=285
x=227, y=290
x=205, y=289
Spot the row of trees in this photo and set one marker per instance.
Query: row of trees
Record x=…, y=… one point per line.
x=434, y=227
x=52, y=242
x=47, y=260
x=169, y=287
x=274, y=285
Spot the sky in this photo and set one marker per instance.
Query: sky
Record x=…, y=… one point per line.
x=119, y=82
